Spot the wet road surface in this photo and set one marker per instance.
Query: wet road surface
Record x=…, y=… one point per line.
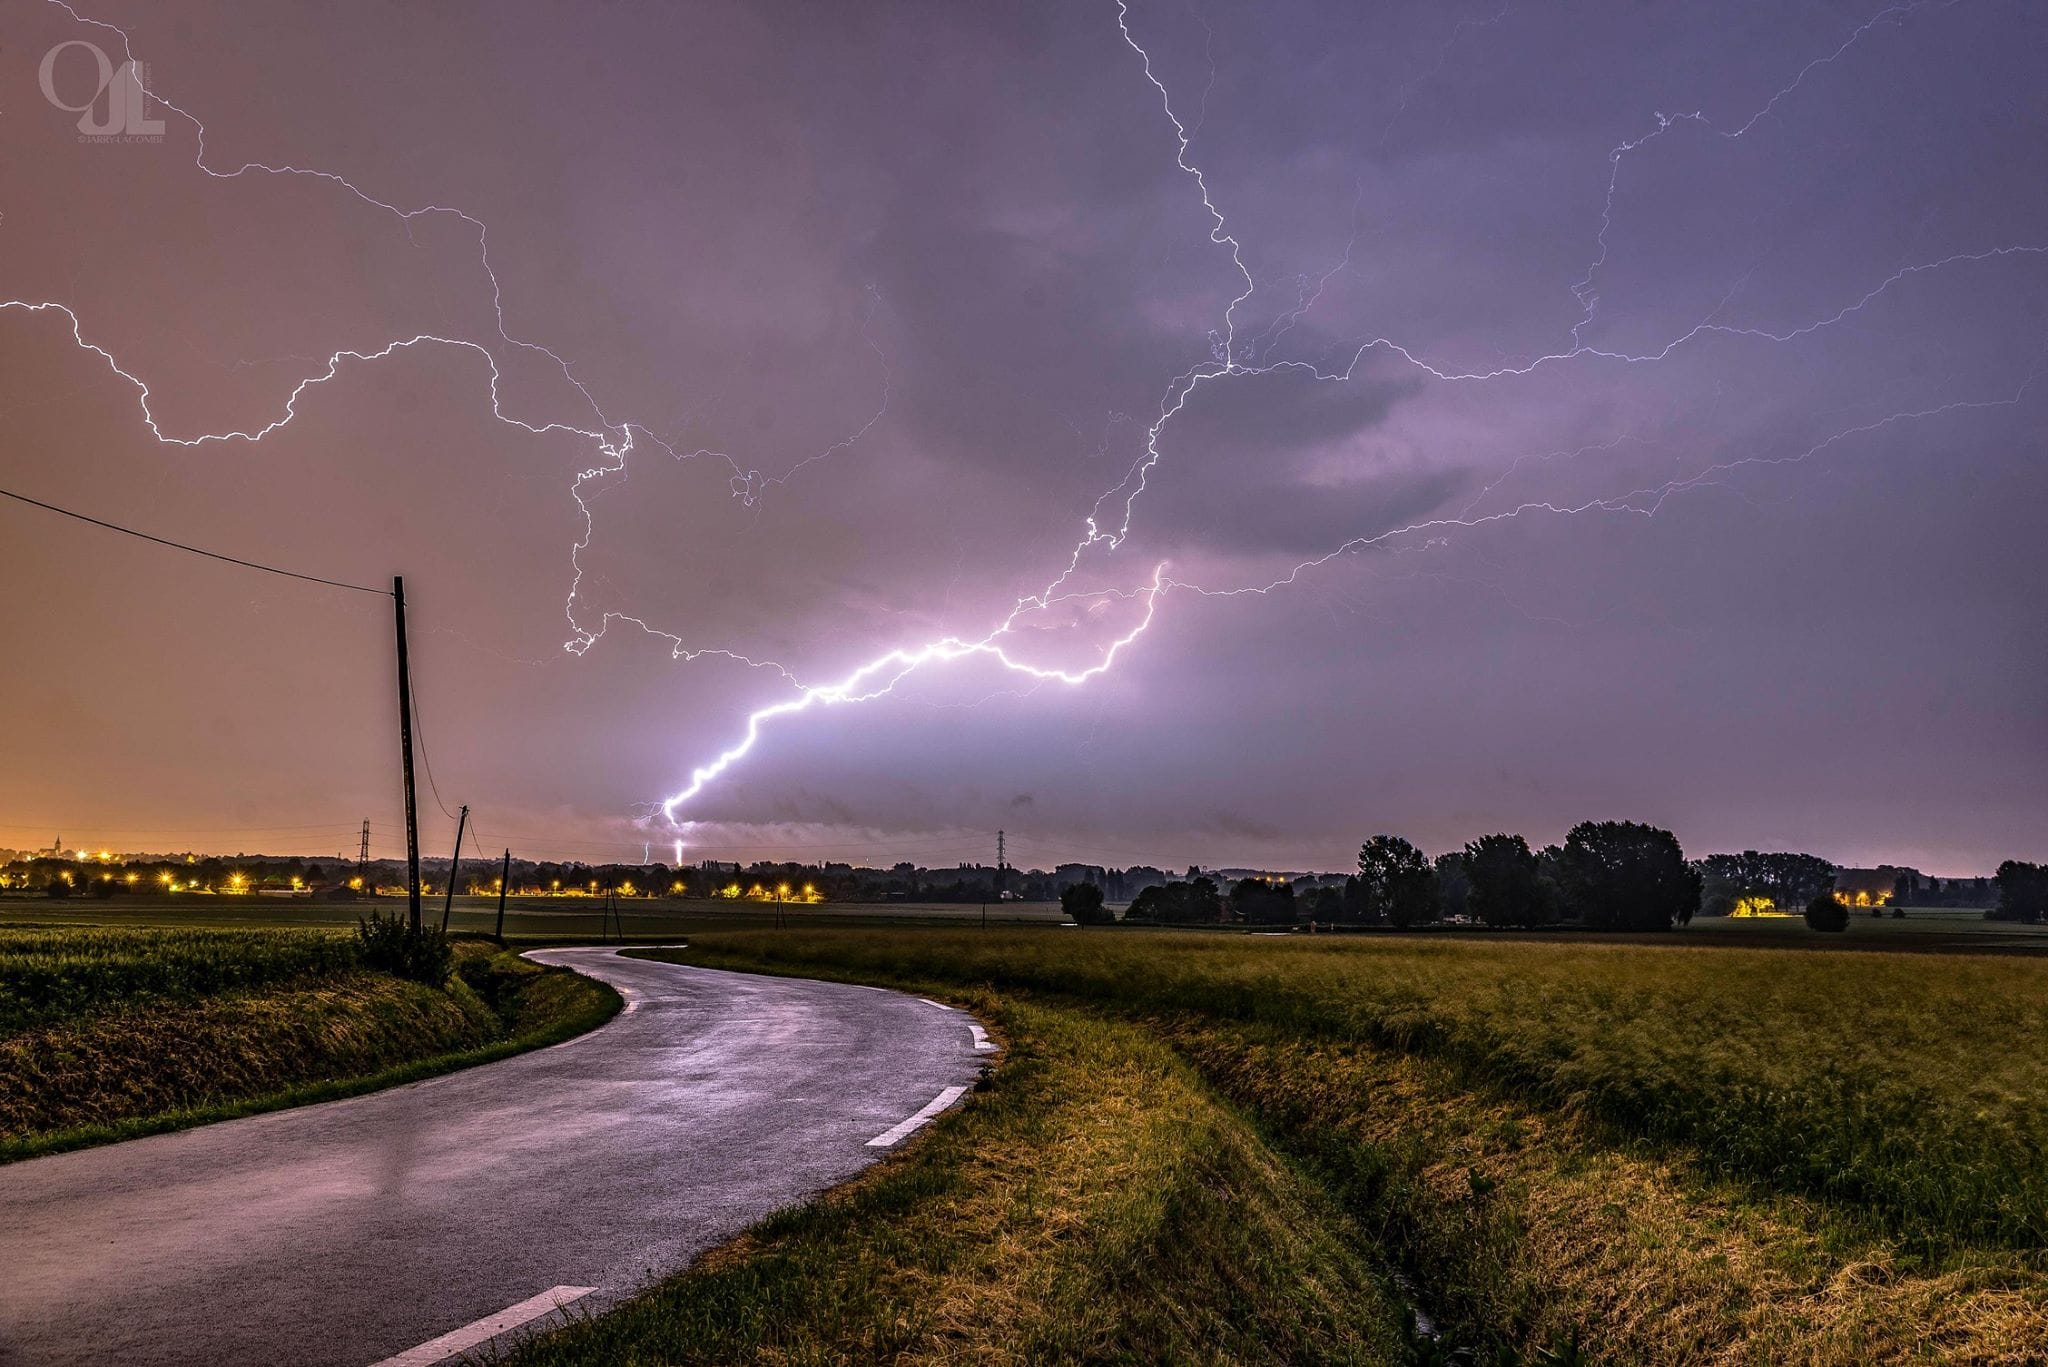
x=367, y=1229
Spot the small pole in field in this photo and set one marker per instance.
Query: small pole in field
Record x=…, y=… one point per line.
x=448, y=901
x=504, y=886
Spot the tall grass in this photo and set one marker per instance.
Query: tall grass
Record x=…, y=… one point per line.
x=49, y=975
x=1904, y=1090
x=1092, y=1203
x=105, y=1034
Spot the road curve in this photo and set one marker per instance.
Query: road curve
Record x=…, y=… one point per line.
x=360, y=1230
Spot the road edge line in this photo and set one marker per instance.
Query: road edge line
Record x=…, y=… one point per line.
x=478, y=1332
x=903, y=1129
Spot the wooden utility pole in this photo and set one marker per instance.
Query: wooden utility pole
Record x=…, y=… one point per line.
x=412, y=815
x=504, y=885
x=454, y=863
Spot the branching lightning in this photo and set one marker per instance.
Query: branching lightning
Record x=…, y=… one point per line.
x=1108, y=523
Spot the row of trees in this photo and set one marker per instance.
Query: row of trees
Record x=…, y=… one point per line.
x=1609, y=875
x=1783, y=880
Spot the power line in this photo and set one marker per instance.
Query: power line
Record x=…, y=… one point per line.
x=420, y=734
x=195, y=550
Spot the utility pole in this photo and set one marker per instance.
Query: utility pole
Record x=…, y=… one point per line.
x=504, y=886
x=455, y=862
x=412, y=815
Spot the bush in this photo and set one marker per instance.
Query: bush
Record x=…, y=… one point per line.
x=392, y=945
x=1826, y=912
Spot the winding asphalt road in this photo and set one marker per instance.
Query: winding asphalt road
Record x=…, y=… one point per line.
x=413, y=1223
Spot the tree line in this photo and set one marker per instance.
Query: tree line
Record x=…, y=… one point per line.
x=1608, y=875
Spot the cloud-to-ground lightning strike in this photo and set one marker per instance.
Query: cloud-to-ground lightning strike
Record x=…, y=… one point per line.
x=1106, y=527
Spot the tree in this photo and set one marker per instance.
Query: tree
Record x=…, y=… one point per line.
x=1395, y=882
x=1505, y=888
x=1353, y=908
x=2022, y=892
x=1083, y=902
x=1827, y=912
x=1262, y=903
x=1622, y=875
x=1453, y=884
x=1325, y=905
x=1190, y=903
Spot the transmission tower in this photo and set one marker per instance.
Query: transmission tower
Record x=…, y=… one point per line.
x=363, y=855
x=1002, y=867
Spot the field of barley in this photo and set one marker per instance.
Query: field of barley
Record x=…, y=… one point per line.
x=1653, y=1154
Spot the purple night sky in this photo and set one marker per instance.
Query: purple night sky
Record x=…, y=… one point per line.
x=1637, y=411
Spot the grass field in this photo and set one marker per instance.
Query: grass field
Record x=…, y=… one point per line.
x=527, y=919
x=106, y=1033
x=1659, y=1154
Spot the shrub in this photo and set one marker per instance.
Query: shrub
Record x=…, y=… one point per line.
x=1826, y=912
x=392, y=944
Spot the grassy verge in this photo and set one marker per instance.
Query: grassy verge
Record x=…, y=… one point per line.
x=303, y=1025
x=1896, y=1088
x=1660, y=1155
x=1531, y=1231
x=1091, y=1202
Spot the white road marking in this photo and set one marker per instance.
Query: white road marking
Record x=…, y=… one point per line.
x=489, y=1327
x=895, y=1134
x=982, y=1043
x=929, y=1002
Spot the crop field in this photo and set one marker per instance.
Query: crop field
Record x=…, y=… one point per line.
x=47, y=973
x=528, y=919
x=1651, y=1154
x=109, y=1032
